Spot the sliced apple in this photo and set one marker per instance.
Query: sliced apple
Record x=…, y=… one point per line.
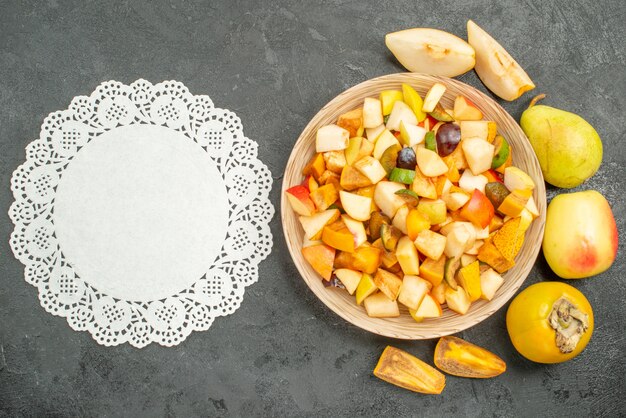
x=372, y=113
x=406, y=253
x=349, y=278
x=467, y=259
x=301, y=203
x=490, y=282
x=411, y=135
x=365, y=288
x=400, y=113
x=388, y=283
x=432, y=51
x=358, y=207
x=429, y=308
x=373, y=133
x=430, y=163
x=457, y=300
x=433, y=210
x=531, y=207
x=314, y=225
x=351, y=179
x=315, y=167
x=399, y=220
x=380, y=306
x=384, y=141
x=358, y=147
x=371, y=168
x=416, y=222
x=423, y=186
x=331, y=138
x=351, y=121
x=433, y=96
x=324, y=196
x=386, y=198
x=430, y=243
x=464, y=109
x=413, y=291
x=432, y=270
x=516, y=179
x=483, y=129
x=495, y=66
x=356, y=228
x=478, y=154
x=458, y=240
x=469, y=182
x=455, y=200
x=321, y=258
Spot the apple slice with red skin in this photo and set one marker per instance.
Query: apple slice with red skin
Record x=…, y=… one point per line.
x=478, y=210
x=301, y=203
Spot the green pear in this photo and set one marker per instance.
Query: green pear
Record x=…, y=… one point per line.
x=568, y=148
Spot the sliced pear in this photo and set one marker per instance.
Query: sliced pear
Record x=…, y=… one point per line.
x=495, y=67
x=401, y=112
x=372, y=113
x=431, y=51
x=358, y=207
x=432, y=97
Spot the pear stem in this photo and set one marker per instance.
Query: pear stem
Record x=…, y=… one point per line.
x=536, y=99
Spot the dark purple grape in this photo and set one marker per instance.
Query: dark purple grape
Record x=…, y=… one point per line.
x=448, y=137
x=406, y=158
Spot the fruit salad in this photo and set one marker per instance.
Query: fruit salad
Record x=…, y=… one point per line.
x=408, y=202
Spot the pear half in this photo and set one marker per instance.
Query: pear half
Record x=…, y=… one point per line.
x=495, y=67
x=431, y=51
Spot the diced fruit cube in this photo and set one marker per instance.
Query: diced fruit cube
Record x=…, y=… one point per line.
x=310, y=183
x=478, y=210
x=455, y=200
x=464, y=109
x=365, y=258
x=516, y=179
x=351, y=178
x=411, y=135
x=406, y=253
x=430, y=163
x=406, y=371
x=429, y=308
x=423, y=186
x=371, y=168
x=531, y=206
x=349, y=278
x=414, y=100
x=433, y=210
x=399, y=221
x=388, y=98
x=356, y=228
x=473, y=250
x=390, y=235
x=338, y=236
x=478, y=129
x=313, y=225
x=469, y=278
x=457, y=300
x=358, y=207
x=372, y=113
x=453, y=172
x=315, y=167
x=331, y=138
x=386, y=198
x=442, y=185
x=439, y=292
x=388, y=283
x=384, y=141
x=401, y=113
x=458, y=240
x=433, y=96
x=301, y=203
x=478, y=154
x=365, y=288
x=373, y=133
x=413, y=291
x=324, y=196
x=432, y=270
x=380, y=306
x=416, y=222
x=490, y=282
x=358, y=147
x=328, y=177
x=489, y=254
x=431, y=244
x=467, y=259
x=321, y=258
x=515, y=202
x=351, y=121
x=335, y=161
x=502, y=151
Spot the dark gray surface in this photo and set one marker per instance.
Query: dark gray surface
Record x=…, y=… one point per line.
x=275, y=64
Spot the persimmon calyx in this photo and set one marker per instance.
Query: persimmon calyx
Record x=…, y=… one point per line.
x=569, y=323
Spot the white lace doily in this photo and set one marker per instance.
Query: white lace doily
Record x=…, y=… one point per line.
x=141, y=213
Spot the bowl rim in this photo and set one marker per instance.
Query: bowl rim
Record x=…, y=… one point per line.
x=471, y=320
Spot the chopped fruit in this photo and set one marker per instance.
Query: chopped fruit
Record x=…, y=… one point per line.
x=507, y=163
x=388, y=283
x=482, y=129
x=373, y=133
x=401, y=113
x=410, y=197
x=388, y=258
x=501, y=151
x=384, y=141
x=406, y=371
x=349, y=278
x=509, y=239
x=430, y=163
x=386, y=198
x=438, y=293
x=351, y=121
x=352, y=178
x=460, y=358
x=402, y=175
x=433, y=96
x=495, y=224
x=433, y=270
x=478, y=154
x=371, y=168
x=457, y=300
x=459, y=239
x=453, y=172
x=430, y=243
x=464, y=109
x=399, y=221
x=380, y=306
x=531, y=207
x=365, y=259
x=441, y=114
x=430, y=142
x=469, y=278
x=489, y=254
x=388, y=98
x=315, y=167
x=473, y=250
x=414, y=100
x=313, y=225
x=516, y=179
x=495, y=67
x=328, y=177
x=411, y=135
x=416, y=223
x=338, y=236
x=459, y=159
x=496, y=192
x=467, y=259
x=321, y=258
x=493, y=176
x=365, y=288
x=433, y=210
x=389, y=159
x=442, y=185
x=478, y=210
x=449, y=272
x=423, y=186
x=406, y=253
x=356, y=228
x=372, y=113
x=390, y=235
x=429, y=308
x=482, y=233
x=515, y=202
x=358, y=207
x=324, y=196
x=490, y=282
x=298, y=197
x=376, y=221
x=310, y=183
x=358, y=147
x=335, y=161
x=413, y=291
x=455, y=200
x=331, y=138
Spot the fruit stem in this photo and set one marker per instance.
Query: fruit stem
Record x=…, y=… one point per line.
x=536, y=99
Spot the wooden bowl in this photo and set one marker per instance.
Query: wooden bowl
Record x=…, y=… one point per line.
x=404, y=326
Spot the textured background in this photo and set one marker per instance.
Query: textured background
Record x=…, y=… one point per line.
x=275, y=63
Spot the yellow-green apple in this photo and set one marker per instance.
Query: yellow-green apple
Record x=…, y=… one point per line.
x=581, y=237
x=301, y=203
